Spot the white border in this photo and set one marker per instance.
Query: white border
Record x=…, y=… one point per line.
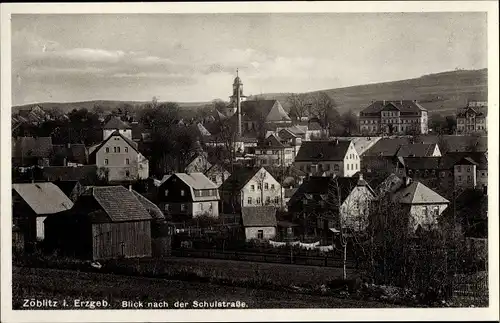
x=490, y=313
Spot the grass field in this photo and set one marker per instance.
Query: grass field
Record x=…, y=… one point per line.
x=69, y=285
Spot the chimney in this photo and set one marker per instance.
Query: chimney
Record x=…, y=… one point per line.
x=130, y=187
x=401, y=102
x=407, y=181
x=336, y=141
x=383, y=102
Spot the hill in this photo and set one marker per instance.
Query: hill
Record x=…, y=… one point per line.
x=440, y=92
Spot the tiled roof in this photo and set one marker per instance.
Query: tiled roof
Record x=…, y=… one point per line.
x=32, y=147
x=387, y=146
x=43, y=198
x=418, y=193
x=450, y=159
x=322, y=185
x=197, y=181
x=116, y=123
x=66, y=187
x=239, y=179
x=416, y=150
x=69, y=173
x=152, y=208
x=120, y=204
x=423, y=162
x=401, y=105
x=322, y=150
x=286, y=134
x=258, y=216
x=272, y=141
x=269, y=109
x=298, y=129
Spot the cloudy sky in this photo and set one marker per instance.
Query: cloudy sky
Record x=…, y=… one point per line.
x=193, y=57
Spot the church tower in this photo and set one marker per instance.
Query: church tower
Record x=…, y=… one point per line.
x=236, y=99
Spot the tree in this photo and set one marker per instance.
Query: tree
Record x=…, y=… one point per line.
x=349, y=122
x=324, y=107
x=437, y=123
x=451, y=124
x=298, y=105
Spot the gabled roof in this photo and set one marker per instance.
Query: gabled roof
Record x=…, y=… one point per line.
x=451, y=159
x=286, y=134
x=239, y=179
x=322, y=150
x=215, y=169
x=387, y=146
x=258, y=216
x=120, y=204
x=66, y=187
x=43, y=198
x=416, y=150
x=272, y=141
x=116, y=123
x=197, y=181
x=317, y=186
x=114, y=134
x=298, y=129
x=152, y=208
x=418, y=193
x=40, y=147
x=270, y=110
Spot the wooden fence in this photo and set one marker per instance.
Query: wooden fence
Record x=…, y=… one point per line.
x=327, y=261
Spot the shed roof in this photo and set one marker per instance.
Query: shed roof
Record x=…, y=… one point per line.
x=43, y=198
x=259, y=216
x=120, y=204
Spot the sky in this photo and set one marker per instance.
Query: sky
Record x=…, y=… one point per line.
x=194, y=57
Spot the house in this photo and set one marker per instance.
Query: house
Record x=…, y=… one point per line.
x=217, y=174
x=394, y=117
x=362, y=144
x=384, y=164
x=34, y=115
x=251, y=187
x=473, y=118
x=275, y=151
x=337, y=157
x=422, y=204
x=387, y=147
x=322, y=199
x=32, y=203
x=70, y=154
x=116, y=124
x=470, y=170
x=259, y=222
x=106, y=222
x=189, y=195
x=29, y=151
x=119, y=155
x=199, y=164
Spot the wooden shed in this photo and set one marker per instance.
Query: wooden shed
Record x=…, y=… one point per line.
x=106, y=222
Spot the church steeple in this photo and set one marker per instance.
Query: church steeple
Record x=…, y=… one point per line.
x=236, y=99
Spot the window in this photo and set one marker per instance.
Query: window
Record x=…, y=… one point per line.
x=336, y=168
x=468, y=169
x=183, y=192
x=272, y=186
x=118, y=149
x=268, y=200
x=252, y=187
x=183, y=207
x=304, y=201
x=347, y=166
x=166, y=192
x=258, y=200
x=356, y=166
x=127, y=173
x=468, y=179
x=260, y=234
x=126, y=149
x=266, y=186
x=106, y=162
x=259, y=187
x=107, y=149
x=127, y=161
x=276, y=199
x=249, y=201
x=201, y=206
x=435, y=211
x=459, y=169
x=166, y=207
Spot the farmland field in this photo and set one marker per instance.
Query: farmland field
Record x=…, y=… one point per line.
x=69, y=285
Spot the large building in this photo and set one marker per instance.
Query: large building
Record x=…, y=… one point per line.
x=394, y=117
x=473, y=118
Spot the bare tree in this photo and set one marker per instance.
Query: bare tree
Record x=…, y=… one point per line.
x=324, y=107
x=298, y=105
